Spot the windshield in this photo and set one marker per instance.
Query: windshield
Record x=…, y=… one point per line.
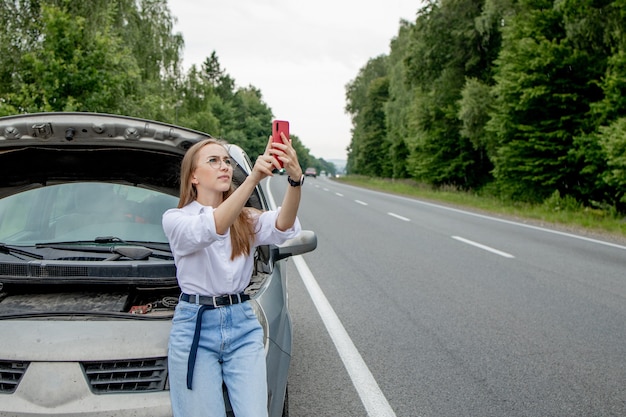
x=83, y=212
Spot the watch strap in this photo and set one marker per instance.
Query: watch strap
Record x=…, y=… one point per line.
x=295, y=183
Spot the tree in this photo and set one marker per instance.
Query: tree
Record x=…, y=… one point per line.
x=217, y=77
x=68, y=70
x=399, y=103
x=546, y=84
x=613, y=142
x=251, y=124
x=96, y=56
x=446, y=47
x=474, y=108
x=361, y=101
x=373, y=156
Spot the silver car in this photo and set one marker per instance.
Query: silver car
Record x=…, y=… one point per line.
x=87, y=279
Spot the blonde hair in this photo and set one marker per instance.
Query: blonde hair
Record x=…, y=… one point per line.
x=242, y=230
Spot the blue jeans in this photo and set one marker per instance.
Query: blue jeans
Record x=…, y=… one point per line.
x=230, y=351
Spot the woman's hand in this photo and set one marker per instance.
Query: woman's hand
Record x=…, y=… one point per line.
x=285, y=153
x=291, y=201
x=265, y=164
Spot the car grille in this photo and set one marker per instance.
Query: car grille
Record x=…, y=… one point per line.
x=43, y=271
x=40, y=270
x=10, y=375
x=7, y=269
x=138, y=375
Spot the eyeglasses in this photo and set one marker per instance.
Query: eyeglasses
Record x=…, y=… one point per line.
x=216, y=163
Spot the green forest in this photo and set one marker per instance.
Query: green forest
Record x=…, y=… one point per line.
x=519, y=99
x=122, y=57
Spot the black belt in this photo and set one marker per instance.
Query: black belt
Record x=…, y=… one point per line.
x=207, y=303
x=221, y=301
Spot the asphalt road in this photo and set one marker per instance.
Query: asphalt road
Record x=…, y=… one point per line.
x=453, y=313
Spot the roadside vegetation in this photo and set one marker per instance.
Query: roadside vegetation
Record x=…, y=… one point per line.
x=122, y=57
x=563, y=213
x=521, y=102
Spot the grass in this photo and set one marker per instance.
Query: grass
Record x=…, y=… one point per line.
x=560, y=213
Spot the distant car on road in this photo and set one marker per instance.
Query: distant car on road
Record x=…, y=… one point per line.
x=310, y=172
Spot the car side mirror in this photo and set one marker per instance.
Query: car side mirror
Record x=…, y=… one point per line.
x=305, y=242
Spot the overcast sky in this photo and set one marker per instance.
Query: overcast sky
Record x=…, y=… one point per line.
x=300, y=54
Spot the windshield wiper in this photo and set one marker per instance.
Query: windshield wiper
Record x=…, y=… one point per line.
x=97, y=241
x=12, y=250
x=161, y=246
x=108, y=239
x=99, y=244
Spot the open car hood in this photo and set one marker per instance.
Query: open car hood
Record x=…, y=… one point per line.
x=47, y=148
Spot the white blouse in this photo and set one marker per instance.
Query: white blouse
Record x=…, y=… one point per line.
x=202, y=256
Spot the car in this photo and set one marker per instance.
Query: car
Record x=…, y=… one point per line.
x=87, y=279
x=310, y=172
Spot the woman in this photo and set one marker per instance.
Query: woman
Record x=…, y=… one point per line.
x=216, y=337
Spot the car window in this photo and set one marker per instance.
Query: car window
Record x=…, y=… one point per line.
x=83, y=211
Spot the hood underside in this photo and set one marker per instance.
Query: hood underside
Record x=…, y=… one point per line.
x=32, y=167
x=48, y=148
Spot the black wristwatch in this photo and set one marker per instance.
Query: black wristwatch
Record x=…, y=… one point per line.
x=295, y=183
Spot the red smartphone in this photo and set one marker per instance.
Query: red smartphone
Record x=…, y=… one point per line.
x=278, y=127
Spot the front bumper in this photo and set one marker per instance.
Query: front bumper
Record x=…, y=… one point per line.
x=60, y=389
x=49, y=361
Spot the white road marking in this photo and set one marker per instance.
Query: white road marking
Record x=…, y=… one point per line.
x=372, y=397
x=487, y=248
x=497, y=219
x=339, y=194
x=363, y=203
x=397, y=216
